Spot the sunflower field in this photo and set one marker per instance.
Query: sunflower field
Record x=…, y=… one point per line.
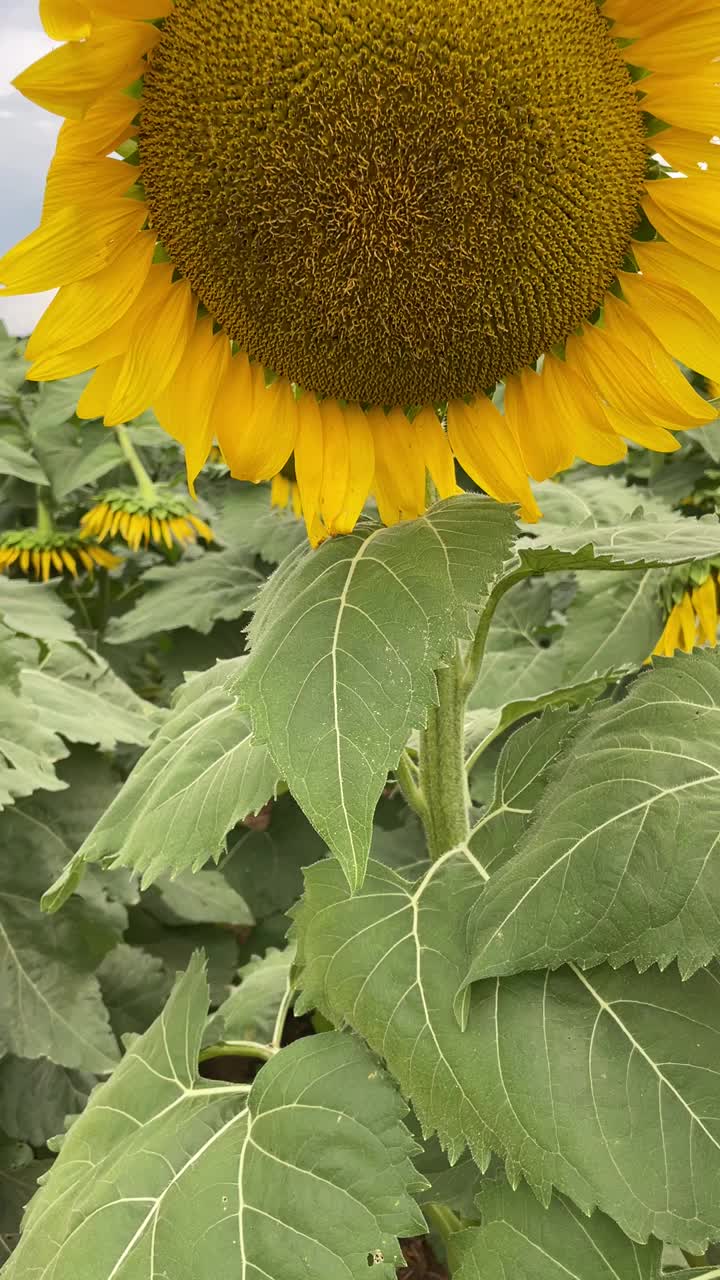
x=359, y=681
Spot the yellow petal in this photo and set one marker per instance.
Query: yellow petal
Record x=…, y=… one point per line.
x=296, y=501
x=685, y=150
x=185, y=407
x=625, y=382
x=279, y=490
x=65, y=19
x=24, y=559
x=624, y=324
x=106, y=124
x=45, y=565
x=436, y=451
x=69, y=79
x=647, y=434
x=69, y=562
x=71, y=245
x=640, y=17
x=689, y=101
x=399, y=481
x=661, y=261
x=203, y=529
x=86, y=184
x=485, y=447
x=159, y=339
x=543, y=440
x=57, y=562
x=688, y=627
x=574, y=407
x=35, y=558
x=255, y=426
x=91, y=307
x=348, y=464
x=686, y=211
x=309, y=456
x=704, y=600
x=97, y=393
x=681, y=322
x=693, y=39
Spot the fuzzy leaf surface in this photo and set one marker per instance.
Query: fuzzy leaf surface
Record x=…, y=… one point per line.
x=643, y=542
x=344, y=645
x=576, y=1080
x=36, y=1095
x=250, y=1010
x=623, y=858
x=520, y=1237
x=197, y=592
x=35, y=609
x=167, y=1174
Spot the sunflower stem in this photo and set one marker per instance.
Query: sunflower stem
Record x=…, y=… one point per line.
x=43, y=519
x=237, y=1049
x=406, y=778
x=477, y=651
x=144, y=483
x=443, y=780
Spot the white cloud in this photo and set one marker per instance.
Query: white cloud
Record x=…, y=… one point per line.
x=22, y=314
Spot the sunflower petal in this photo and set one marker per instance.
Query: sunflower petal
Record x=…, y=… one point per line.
x=436, y=451
x=686, y=211
x=159, y=339
x=65, y=19
x=485, y=447
x=185, y=407
x=71, y=245
x=680, y=321
x=348, y=464
x=399, y=480
x=255, y=426
x=69, y=79
x=704, y=599
x=571, y=404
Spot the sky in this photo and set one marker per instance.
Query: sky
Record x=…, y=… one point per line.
x=27, y=140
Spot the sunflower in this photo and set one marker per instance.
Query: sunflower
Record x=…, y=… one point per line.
x=382, y=234
x=163, y=518
x=43, y=553
x=692, y=612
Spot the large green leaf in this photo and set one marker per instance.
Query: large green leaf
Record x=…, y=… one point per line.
x=19, y=1173
x=194, y=593
x=582, y=499
x=247, y=520
x=174, y=946
x=50, y=1002
x=54, y=402
x=344, y=645
x=521, y=1238
x=28, y=750
x=36, y=1097
x=197, y=897
x=201, y=775
x=623, y=859
x=603, y=1086
x=34, y=609
x=250, y=1010
x=134, y=986
x=19, y=462
x=79, y=696
x=641, y=542
x=304, y=1173
x=76, y=454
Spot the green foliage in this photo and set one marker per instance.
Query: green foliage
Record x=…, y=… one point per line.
x=203, y=751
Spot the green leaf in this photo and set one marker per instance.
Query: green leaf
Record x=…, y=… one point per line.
x=575, y=1080
x=175, y=946
x=640, y=543
x=454, y=1186
x=37, y=1095
x=583, y=500
x=77, y=454
x=134, y=986
x=520, y=1237
x=195, y=593
x=305, y=1173
x=34, y=609
x=247, y=520
x=199, y=897
x=19, y=1173
x=28, y=750
x=50, y=1003
x=250, y=1010
x=623, y=861
x=201, y=775
x=15, y=461
x=345, y=641
x=527, y=758
x=55, y=402
x=265, y=867
x=80, y=697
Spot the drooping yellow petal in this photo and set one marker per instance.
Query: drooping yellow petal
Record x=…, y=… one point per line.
x=279, y=490
x=185, y=407
x=485, y=447
x=92, y=306
x=255, y=425
x=688, y=627
x=685, y=150
x=24, y=559
x=690, y=101
x=625, y=325
x=686, y=211
x=436, y=451
x=309, y=457
x=680, y=321
x=57, y=562
x=399, y=480
x=348, y=464
x=45, y=564
x=65, y=19
x=543, y=441
x=71, y=245
x=573, y=407
x=202, y=528
x=159, y=340
x=35, y=558
x=647, y=434
x=704, y=599
x=69, y=561
x=97, y=393
x=625, y=382
x=69, y=79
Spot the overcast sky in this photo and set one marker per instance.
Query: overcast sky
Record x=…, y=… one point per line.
x=27, y=139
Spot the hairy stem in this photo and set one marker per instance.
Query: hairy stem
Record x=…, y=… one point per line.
x=443, y=780
x=407, y=781
x=144, y=483
x=43, y=518
x=477, y=651
x=442, y=1220
x=237, y=1049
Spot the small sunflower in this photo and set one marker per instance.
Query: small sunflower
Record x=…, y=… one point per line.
x=692, y=609
x=340, y=238
x=47, y=553
x=160, y=517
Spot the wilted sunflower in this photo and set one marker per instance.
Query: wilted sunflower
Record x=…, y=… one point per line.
x=334, y=224
x=163, y=518
x=44, y=554
x=692, y=608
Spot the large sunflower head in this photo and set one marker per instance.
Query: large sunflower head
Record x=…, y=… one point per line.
x=382, y=234
x=162, y=517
